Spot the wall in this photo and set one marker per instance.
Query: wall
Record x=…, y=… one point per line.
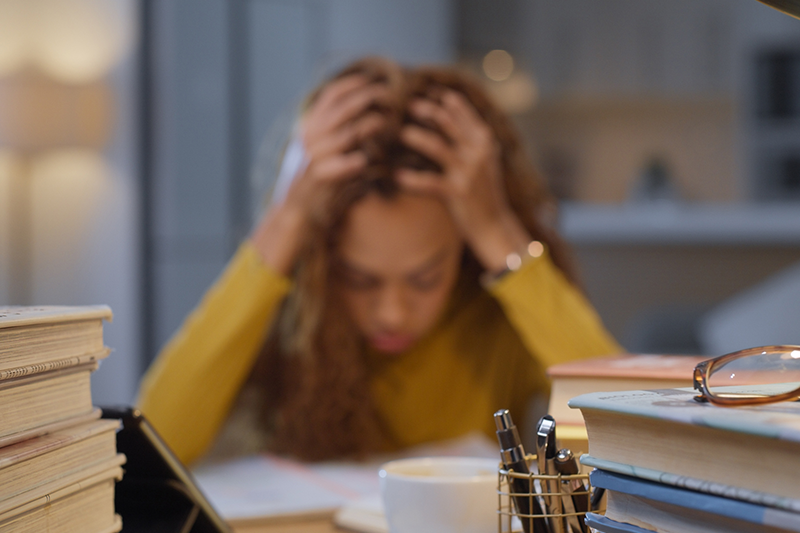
x=227, y=79
x=82, y=227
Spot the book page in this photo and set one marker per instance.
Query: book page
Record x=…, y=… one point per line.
x=264, y=487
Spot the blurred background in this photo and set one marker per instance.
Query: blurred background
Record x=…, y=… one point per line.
x=138, y=137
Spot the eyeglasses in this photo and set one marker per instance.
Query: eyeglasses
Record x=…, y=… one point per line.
x=765, y=374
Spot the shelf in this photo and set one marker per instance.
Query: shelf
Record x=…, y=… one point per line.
x=749, y=224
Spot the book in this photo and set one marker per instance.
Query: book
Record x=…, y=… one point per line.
x=58, y=461
x=34, y=401
x=755, y=448
x=601, y=524
x=693, y=483
x=44, y=459
x=267, y=488
x=366, y=515
x=77, y=503
x=46, y=356
x=263, y=489
x=669, y=509
x=607, y=374
x=38, y=339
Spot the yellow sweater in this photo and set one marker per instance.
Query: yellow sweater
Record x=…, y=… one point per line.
x=480, y=357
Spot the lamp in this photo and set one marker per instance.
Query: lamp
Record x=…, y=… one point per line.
x=56, y=116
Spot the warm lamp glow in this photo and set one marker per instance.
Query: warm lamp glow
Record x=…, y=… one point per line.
x=498, y=65
x=39, y=113
x=9, y=164
x=9, y=169
x=516, y=94
x=66, y=187
x=14, y=30
x=78, y=41
x=81, y=169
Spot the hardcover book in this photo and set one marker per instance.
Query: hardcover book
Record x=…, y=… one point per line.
x=755, y=448
x=670, y=509
x=606, y=374
x=32, y=404
x=73, y=504
x=45, y=459
x=37, y=339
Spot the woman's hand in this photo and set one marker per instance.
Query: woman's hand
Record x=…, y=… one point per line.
x=471, y=181
x=332, y=127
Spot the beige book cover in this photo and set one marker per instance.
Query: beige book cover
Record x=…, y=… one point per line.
x=82, y=502
x=38, y=339
x=44, y=459
x=30, y=402
x=615, y=373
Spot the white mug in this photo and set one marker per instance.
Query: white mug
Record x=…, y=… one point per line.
x=440, y=495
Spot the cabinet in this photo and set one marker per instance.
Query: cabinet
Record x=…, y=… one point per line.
x=613, y=48
x=653, y=271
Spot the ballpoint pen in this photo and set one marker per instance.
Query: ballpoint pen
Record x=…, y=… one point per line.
x=576, y=495
x=513, y=457
x=545, y=458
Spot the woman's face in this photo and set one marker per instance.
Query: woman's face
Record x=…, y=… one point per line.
x=396, y=264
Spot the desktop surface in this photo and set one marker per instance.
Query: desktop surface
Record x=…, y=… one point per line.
x=324, y=525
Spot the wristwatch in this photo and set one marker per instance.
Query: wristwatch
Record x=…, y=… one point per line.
x=514, y=262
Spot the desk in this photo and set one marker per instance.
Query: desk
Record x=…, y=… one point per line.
x=307, y=526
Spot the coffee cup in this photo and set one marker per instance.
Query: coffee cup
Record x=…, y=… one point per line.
x=440, y=495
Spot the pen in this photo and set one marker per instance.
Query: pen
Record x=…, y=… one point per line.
x=513, y=456
x=545, y=459
x=576, y=498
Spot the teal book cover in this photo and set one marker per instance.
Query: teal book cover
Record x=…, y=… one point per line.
x=694, y=484
x=643, y=500
x=754, y=448
x=776, y=421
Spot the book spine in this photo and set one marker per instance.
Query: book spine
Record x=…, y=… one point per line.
x=691, y=483
x=46, y=370
x=61, y=488
x=707, y=503
x=18, y=372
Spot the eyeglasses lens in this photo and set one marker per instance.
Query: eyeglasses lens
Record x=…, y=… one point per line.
x=763, y=374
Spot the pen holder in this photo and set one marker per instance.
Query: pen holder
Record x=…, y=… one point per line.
x=561, y=501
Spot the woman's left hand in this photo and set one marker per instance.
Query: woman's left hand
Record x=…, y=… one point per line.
x=471, y=183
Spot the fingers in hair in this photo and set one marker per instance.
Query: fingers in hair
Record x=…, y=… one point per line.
x=340, y=167
x=428, y=143
x=424, y=182
x=340, y=88
x=428, y=110
x=466, y=117
x=354, y=104
x=350, y=135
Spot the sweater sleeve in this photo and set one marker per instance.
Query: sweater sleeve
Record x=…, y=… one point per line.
x=190, y=387
x=553, y=318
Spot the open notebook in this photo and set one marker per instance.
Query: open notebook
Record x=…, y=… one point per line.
x=264, y=488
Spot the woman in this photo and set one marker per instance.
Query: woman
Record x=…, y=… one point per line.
x=402, y=288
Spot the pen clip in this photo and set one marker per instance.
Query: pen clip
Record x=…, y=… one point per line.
x=546, y=438
x=545, y=460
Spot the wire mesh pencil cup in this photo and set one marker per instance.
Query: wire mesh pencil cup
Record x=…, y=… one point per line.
x=525, y=496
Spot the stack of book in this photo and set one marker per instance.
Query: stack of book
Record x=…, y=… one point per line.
x=671, y=464
x=58, y=459
x=606, y=374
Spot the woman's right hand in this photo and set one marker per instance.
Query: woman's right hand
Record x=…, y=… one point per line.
x=329, y=130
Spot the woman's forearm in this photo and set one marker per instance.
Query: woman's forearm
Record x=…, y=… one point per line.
x=190, y=387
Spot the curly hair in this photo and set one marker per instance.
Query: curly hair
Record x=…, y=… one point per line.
x=311, y=370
